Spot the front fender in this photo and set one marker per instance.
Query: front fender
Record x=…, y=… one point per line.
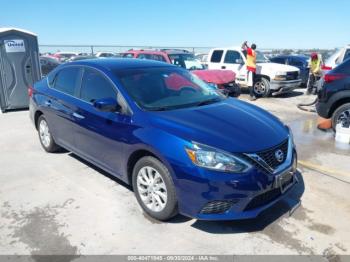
x=169, y=149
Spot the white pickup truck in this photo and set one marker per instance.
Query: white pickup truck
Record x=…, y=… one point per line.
x=271, y=78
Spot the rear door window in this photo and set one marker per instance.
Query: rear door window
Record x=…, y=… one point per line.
x=95, y=86
x=231, y=57
x=216, y=56
x=66, y=80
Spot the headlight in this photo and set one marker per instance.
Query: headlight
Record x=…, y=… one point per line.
x=290, y=132
x=215, y=159
x=281, y=73
x=281, y=76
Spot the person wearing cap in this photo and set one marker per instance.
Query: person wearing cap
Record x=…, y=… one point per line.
x=315, y=72
x=251, y=67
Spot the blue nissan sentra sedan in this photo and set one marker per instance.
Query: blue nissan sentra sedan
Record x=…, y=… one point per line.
x=182, y=146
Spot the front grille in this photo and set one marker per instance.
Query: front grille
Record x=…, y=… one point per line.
x=267, y=197
x=292, y=75
x=218, y=206
x=269, y=155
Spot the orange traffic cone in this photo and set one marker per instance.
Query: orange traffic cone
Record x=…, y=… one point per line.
x=323, y=123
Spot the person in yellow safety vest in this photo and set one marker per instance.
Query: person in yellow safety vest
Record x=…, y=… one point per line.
x=315, y=72
x=251, y=68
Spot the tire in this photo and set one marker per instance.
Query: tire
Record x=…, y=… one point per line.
x=45, y=137
x=151, y=198
x=262, y=87
x=341, y=112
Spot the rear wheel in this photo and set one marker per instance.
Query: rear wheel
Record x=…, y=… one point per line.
x=262, y=87
x=45, y=136
x=154, y=188
x=341, y=115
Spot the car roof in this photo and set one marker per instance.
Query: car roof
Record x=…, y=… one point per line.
x=120, y=63
x=142, y=51
x=301, y=57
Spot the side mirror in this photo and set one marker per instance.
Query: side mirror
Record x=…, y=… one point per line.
x=239, y=61
x=107, y=105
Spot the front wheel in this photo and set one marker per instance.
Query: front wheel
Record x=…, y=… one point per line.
x=262, y=87
x=154, y=188
x=341, y=116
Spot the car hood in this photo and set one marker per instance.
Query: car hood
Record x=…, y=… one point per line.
x=274, y=67
x=230, y=125
x=218, y=77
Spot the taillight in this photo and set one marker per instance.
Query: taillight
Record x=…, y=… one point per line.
x=324, y=67
x=30, y=91
x=328, y=78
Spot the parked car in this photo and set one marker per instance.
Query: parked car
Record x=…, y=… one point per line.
x=48, y=64
x=104, y=54
x=337, y=58
x=203, y=58
x=334, y=96
x=299, y=61
x=223, y=80
x=64, y=56
x=272, y=78
x=183, y=147
x=80, y=57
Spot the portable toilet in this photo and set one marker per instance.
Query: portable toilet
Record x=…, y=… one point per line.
x=19, y=67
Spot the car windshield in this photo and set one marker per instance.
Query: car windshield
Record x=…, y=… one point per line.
x=163, y=88
x=260, y=57
x=187, y=61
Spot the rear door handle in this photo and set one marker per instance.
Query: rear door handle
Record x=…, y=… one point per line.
x=47, y=102
x=223, y=67
x=76, y=115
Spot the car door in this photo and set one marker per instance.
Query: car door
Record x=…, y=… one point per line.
x=215, y=59
x=100, y=135
x=234, y=61
x=59, y=105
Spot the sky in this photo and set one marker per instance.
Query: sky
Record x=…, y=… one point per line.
x=212, y=23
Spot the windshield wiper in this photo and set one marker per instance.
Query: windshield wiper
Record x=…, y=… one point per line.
x=208, y=102
x=160, y=108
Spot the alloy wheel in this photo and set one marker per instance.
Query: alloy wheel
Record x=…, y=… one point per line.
x=259, y=88
x=44, y=133
x=152, y=189
x=344, y=118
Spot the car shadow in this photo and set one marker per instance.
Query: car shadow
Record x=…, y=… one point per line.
x=267, y=217
x=290, y=94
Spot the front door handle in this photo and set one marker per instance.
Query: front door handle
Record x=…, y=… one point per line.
x=223, y=67
x=47, y=102
x=76, y=115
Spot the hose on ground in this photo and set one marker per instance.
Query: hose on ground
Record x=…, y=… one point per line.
x=302, y=106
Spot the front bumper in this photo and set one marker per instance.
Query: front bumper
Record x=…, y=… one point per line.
x=211, y=195
x=279, y=87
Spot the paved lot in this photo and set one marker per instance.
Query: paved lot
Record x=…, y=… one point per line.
x=58, y=204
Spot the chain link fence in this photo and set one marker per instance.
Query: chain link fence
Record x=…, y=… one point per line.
x=93, y=49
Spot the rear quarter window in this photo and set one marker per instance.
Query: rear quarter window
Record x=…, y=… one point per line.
x=66, y=80
x=216, y=56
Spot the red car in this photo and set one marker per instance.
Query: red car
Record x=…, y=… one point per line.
x=221, y=79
